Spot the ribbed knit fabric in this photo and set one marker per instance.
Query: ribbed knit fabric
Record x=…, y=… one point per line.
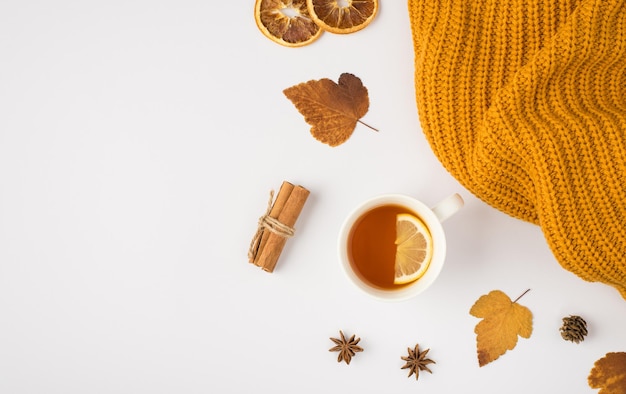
x=524, y=102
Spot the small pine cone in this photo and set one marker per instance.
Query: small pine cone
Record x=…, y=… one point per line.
x=574, y=329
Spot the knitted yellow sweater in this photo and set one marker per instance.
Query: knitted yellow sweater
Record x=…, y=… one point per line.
x=524, y=102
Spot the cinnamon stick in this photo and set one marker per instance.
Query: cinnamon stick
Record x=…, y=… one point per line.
x=284, y=212
x=281, y=199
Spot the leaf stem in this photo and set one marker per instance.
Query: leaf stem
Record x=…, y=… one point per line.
x=365, y=124
x=523, y=294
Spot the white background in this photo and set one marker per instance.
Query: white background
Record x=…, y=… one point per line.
x=139, y=141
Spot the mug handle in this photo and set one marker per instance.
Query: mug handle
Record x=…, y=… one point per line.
x=448, y=207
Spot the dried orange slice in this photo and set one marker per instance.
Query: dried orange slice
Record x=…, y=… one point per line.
x=286, y=22
x=414, y=248
x=342, y=16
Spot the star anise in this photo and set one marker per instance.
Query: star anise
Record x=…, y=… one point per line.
x=417, y=361
x=347, y=348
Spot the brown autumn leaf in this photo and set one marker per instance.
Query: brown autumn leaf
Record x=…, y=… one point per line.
x=503, y=320
x=332, y=109
x=609, y=374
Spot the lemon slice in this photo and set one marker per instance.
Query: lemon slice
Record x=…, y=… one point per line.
x=414, y=248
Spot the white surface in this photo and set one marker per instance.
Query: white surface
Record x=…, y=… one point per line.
x=138, y=144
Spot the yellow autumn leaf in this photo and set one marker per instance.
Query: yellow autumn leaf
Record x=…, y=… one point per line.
x=609, y=374
x=503, y=321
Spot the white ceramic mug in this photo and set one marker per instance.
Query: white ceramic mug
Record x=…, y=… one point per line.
x=432, y=217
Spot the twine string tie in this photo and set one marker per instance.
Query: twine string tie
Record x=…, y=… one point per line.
x=271, y=224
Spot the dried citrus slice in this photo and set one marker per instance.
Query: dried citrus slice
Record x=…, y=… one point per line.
x=342, y=16
x=286, y=22
x=413, y=248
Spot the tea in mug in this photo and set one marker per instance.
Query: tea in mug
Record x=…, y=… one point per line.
x=389, y=246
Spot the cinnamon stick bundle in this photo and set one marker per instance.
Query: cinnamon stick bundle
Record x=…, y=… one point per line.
x=277, y=225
